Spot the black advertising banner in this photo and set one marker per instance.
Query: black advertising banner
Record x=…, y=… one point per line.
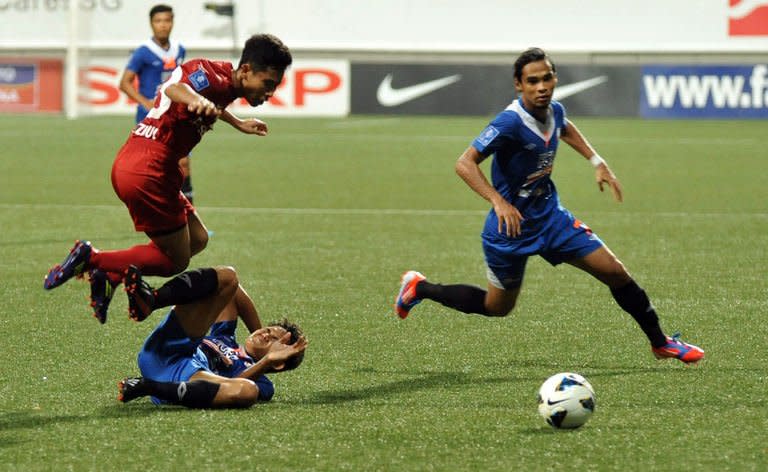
x=465, y=89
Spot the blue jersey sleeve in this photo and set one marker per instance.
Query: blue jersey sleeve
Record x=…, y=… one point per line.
x=266, y=388
x=498, y=132
x=136, y=62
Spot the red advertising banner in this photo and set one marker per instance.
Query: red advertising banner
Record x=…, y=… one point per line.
x=30, y=85
x=748, y=18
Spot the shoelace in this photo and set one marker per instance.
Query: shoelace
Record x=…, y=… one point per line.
x=676, y=338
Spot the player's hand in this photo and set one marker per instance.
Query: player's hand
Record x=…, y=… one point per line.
x=253, y=126
x=280, y=352
x=604, y=176
x=509, y=218
x=203, y=107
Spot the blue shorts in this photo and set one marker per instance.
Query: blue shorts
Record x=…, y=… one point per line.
x=169, y=355
x=560, y=237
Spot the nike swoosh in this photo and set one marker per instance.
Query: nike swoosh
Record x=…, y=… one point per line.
x=550, y=402
x=390, y=97
x=565, y=91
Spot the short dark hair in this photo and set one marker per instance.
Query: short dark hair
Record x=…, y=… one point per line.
x=265, y=51
x=296, y=333
x=528, y=56
x=160, y=8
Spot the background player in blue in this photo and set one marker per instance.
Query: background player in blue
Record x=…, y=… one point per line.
x=153, y=62
x=192, y=358
x=527, y=218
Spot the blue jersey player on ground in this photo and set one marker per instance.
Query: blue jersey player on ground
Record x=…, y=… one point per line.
x=192, y=358
x=152, y=63
x=527, y=218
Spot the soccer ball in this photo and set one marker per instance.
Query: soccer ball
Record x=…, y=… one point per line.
x=566, y=400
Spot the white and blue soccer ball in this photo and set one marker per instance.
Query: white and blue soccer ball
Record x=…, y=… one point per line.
x=566, y=400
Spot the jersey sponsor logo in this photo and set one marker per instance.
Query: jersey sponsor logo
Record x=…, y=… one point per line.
x=488, y=135
x=146, y=131
x=748, y=18
x=704, y=91
x=199, y=80
x=391, y=97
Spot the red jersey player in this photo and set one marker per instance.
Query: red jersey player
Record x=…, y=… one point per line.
x=146, y=173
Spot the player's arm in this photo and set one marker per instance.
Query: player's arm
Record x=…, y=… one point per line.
x=180, y=92
x=468, y=168
x=249, y=126
x=603, y=174
x=126, y=85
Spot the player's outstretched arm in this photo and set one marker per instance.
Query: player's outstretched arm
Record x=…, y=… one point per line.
x=249, y=126
x=603, y=174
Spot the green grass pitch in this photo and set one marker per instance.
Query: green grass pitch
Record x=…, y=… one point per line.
x=321, y=218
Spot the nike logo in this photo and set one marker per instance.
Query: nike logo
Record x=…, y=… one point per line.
x=565, y=91
x=390, y=97
x=550, y=402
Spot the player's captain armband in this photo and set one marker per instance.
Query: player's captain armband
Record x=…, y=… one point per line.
x=596, y=160
x=488, y=135
x=199, y=80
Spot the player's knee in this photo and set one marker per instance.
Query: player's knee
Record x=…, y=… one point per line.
x=227, y=277
x=500, y=309
x=242, y=393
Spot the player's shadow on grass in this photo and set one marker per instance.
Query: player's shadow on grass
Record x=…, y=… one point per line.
x=421, y=381
x=16, y=420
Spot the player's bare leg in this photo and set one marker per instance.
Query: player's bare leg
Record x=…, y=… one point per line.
x=198, y=233
x=500, y=302
x=176, y=245
x=196, y=318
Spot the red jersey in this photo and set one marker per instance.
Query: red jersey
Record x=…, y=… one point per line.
x=170, y=123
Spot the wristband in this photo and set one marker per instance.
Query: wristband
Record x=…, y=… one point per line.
x=596, y=160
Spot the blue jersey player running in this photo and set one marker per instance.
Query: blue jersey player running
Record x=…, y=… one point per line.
x=527, y=218
x=193, y=358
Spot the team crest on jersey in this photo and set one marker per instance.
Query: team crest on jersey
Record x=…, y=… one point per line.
x=488, y=135
x=199, y=80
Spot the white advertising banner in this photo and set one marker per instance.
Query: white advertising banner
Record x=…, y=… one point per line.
x=403, y=25
x=310, y=88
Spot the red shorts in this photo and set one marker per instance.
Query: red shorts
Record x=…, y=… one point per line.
x=148, y=180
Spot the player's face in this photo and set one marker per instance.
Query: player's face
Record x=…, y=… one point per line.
x=162, y=24
x=537, y=84
x=257, y=344
x=258, y=86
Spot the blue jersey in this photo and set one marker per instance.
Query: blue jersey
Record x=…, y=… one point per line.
x=153, y=65
x=225, y=357
x=524, y=153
